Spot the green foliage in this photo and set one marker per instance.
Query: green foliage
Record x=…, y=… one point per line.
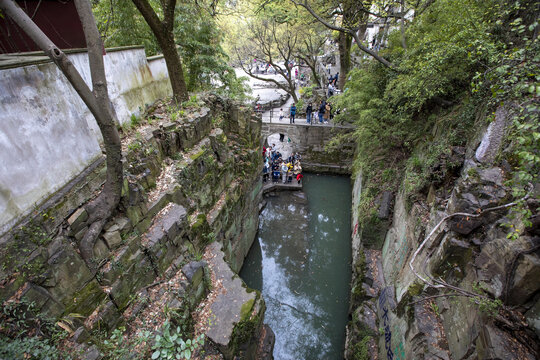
x=135, y=120
x=120, y=346
x=135, y=145
x=435, y=308
x=300, y=105
x=199, y=38
x=307, y=92
x=192, y=102
x=28, y=334
x=121, y=24
x=196, y=33
x=171, y=345
x=33, y=347
x=485, y=304
x=513, y=81
x=15, y=254
x=408, y=118
x=360, y=349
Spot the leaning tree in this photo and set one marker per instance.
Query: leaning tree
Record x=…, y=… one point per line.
x=163, y=30
x=97, y=100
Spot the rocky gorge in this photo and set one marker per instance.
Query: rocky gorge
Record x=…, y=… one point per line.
x=191, y=179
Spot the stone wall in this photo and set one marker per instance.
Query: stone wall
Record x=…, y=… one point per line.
x=48, y=134
x=397, y=315
x=188, y=182
x=311, y=142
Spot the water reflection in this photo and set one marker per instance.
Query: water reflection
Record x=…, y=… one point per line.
x=303, y=254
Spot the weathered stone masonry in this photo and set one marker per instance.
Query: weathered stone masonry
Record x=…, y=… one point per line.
x=207, y=170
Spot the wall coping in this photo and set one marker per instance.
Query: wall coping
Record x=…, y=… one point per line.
x=15, y=60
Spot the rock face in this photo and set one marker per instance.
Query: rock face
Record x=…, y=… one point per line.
x=407, y=318
x=188, y=183
x=236, y=314
x=493, y=137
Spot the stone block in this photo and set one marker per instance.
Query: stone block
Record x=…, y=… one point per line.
x=154, y=237
x=157, y=205
x=266, y=344
x=143, y=225
x=55, y=246
x=80, y=336
x=86, y=300
x=134, y=214
x=492, y=139
x=171, y=222
x=386, y=205
x=494, y=343
x=77, y=219
x=233, y=308
x=113, y=238
x=69, y=274
x=92, y=353
x=533, y=317
x=124, y=224
x=194, y=272
x=108, y=317
x=164, y=255
x=101, y=251
x=139, y=274
x=526, y=282
x=42, y=299
x=80, y=234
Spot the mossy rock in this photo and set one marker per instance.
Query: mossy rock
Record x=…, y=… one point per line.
x=86, y=300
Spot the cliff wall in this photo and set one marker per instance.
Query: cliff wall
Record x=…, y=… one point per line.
x=456, y=276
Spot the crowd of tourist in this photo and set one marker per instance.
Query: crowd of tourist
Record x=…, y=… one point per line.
x=280, y=169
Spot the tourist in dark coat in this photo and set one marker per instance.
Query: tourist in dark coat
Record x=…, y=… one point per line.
x=321, y=111
x=309, y=110
x=293, y=113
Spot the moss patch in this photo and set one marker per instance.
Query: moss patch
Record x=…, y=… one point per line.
x=245, y=311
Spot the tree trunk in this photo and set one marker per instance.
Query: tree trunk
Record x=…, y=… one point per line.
x=97, y=101
x=102, y=207
x=344, y=45
x=174, y=67
x=313, y=68
x=162, y=30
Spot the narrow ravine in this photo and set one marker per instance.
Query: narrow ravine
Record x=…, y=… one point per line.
x=301, y=263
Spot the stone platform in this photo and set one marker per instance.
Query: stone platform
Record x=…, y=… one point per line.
x=278, y=186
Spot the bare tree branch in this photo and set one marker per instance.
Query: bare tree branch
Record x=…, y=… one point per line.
x=351, y=32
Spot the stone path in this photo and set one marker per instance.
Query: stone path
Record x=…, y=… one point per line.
x=269, y=186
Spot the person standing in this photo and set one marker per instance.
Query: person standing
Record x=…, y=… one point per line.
x=297, y=169
x=284, y=169
x=321, y=111
x=280, y=114
x=330, y=89
x=326, y=113
x=266, y=170
x=309, y=110
x=293, y=113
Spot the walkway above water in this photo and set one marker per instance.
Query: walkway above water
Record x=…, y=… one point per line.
x=279, y=186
